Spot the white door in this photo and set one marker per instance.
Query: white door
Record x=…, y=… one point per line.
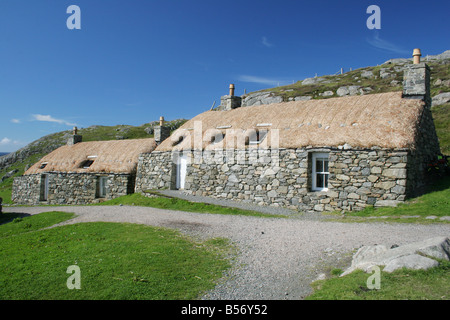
x=181, y=171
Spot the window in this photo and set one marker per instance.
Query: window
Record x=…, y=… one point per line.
x=256, y=136
x=86, y=164
x=177, y=142
x=217, y=138
x=320, y=171
x=43, y=165
x=102, y=186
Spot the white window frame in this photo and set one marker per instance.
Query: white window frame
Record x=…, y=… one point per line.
x=315, y=156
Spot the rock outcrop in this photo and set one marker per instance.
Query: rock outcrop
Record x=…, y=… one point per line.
x=417, y=255
x=440, y=99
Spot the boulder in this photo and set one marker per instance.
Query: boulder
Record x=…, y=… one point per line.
x=385, y=74
x=348, y=90
x=260, y=98
x=412, y=261
x=417, y=255
x=441, y=98
x=315, y=80
x=302, y=98
x=327, y=93
x=367, y=74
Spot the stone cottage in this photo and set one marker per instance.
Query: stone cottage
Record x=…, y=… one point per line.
x=319, y=155
x=82, y=172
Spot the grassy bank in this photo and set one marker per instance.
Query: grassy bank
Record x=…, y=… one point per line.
x=137, y=199
x=432, y=284
x=116, y=261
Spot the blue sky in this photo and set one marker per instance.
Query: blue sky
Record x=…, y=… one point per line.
x=133, y=61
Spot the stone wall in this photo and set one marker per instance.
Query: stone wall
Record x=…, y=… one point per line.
x=26, y=189
x=154, y=171
x=69, y=188
x=283, y=177
x=426, y=150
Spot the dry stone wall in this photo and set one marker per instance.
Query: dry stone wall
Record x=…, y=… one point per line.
x=357, y=178
x=69, y=188
x=154, y=171
x=26, y=189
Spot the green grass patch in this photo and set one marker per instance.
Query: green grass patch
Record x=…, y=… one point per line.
x=13, y=223
x=137, y=199
x=116, y=261
x=432, y=284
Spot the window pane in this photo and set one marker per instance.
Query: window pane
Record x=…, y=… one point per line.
x=325, y=165
x=326, y=181
x=319, y=165
x=319, y=181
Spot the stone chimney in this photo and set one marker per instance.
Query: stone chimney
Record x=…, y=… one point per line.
x=161, y=132
x=416, y=80
x=230, y=101
x=75, y=138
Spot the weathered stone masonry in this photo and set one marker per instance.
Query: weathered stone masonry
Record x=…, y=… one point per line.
x=357, y=177
x=69, y=188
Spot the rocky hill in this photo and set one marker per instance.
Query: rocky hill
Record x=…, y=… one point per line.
x=377, y=79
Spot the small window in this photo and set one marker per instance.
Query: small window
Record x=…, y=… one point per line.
x=102, y=181
x=256, y=137
x=43, y=165
x=320, y=172
x=217, y=138
x=86, y=164
x=177, y=142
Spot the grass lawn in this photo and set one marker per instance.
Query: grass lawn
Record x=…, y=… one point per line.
x=116, y=260
x=432, y=284
x=137, y=199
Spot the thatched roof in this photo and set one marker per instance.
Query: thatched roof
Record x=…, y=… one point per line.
x=385, y=120
x=116, y=156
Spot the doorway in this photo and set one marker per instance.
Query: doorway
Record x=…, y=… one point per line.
x=44, y=188
x=181, y=171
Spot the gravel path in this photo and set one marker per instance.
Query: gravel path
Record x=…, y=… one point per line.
x=278, y=258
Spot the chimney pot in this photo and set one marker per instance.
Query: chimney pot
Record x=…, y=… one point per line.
x=75, y=130
x=161, y=121
x=231, y=89
x=416, y=56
